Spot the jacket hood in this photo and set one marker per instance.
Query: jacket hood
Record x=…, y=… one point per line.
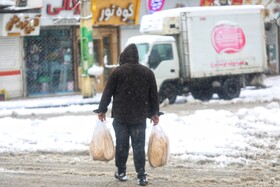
x=129, y=55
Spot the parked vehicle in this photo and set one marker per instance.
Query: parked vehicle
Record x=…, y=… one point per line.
x=204, y=50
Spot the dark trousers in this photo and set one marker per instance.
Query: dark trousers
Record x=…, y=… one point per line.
x=137, y=133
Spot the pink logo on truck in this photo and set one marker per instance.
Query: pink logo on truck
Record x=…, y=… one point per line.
x=228, y=38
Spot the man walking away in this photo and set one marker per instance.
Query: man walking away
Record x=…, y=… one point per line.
x=135, y=98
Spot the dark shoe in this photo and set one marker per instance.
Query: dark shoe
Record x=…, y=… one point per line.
x=142, y=179
x=121, y=177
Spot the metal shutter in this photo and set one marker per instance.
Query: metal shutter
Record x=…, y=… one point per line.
x=11, y=66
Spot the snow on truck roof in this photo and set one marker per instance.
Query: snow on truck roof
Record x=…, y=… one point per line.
x=149, y=39
x=209, y=10
x=167, y=22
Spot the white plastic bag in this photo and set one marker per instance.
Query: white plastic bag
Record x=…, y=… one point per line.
x=158, y=148
x=102, y=146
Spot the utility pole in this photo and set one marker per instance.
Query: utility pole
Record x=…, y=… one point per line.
x=86, y=47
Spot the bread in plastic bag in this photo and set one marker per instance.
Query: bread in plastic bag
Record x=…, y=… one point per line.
x=101, y=147
x=158, y=147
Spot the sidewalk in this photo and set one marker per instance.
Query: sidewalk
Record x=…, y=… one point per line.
x=47, y=102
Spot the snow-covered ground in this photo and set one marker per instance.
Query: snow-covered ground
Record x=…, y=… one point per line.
x=218, y=136
x=5, y=3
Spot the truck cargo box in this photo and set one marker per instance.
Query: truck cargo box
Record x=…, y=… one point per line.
x=214, y=41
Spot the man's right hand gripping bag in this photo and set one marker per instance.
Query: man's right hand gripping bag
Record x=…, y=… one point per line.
x=101, y=146
x=158, y=148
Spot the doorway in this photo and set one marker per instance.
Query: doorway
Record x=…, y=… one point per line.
x=106, y=51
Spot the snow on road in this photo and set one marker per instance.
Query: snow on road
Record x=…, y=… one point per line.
x=212, y=135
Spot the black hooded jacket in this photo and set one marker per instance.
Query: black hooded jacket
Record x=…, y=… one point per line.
x=133, y=88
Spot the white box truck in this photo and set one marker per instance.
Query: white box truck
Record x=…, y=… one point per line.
x=204, y=50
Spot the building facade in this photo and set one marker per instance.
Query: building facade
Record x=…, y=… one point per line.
x=15, y=24
x=50, y=58
x=49, y=62
x=54, y=57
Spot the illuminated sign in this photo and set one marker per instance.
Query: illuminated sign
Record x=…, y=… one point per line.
x=70, y=5
x=113, y=12
x=155, y=5
x=60, y=12
x=27, y=24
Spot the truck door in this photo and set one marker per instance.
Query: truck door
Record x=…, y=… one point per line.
x=163, y=60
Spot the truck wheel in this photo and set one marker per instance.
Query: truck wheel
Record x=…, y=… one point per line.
x=202, y=94
x=230, y=89
x=169, y=91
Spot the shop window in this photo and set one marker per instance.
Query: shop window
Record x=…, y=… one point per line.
x=49, y=62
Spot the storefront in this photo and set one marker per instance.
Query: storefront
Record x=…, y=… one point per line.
x=52, y=59
x=49, y=61
x=15, y=24
x=108, y=19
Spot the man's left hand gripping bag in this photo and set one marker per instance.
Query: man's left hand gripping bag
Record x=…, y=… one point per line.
x=102, y=147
